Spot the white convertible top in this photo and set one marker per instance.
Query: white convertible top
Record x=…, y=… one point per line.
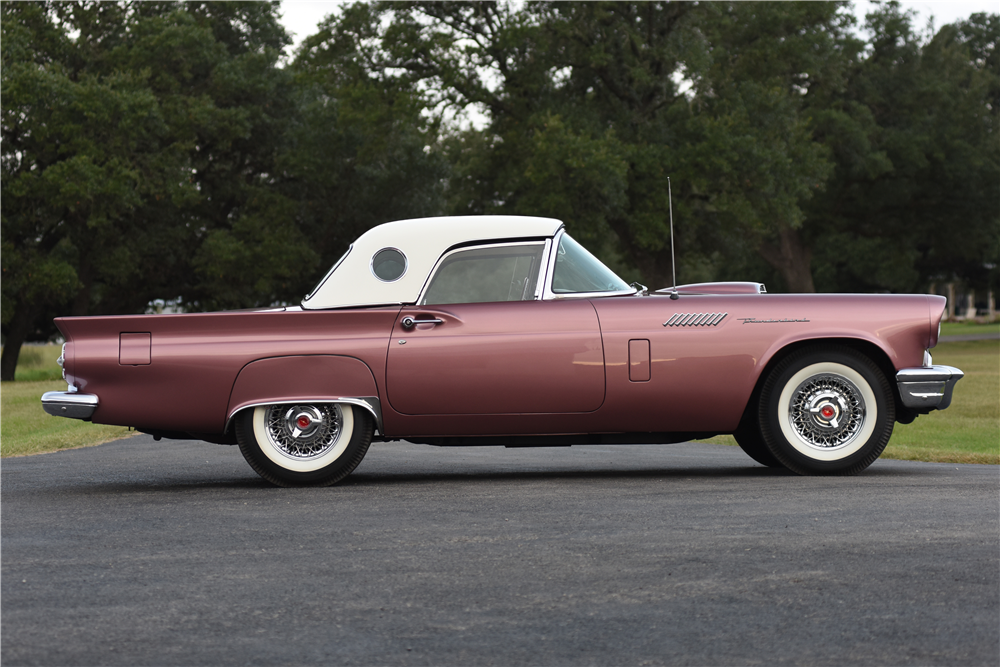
x=352, y=282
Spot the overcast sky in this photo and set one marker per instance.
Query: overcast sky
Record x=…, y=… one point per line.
x=301, y=16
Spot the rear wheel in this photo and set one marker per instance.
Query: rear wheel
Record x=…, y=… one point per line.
x=826, y=411
x=304, y=444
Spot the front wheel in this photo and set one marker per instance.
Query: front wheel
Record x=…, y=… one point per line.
x=750, y=441
x=304, y=444
x=826, y=411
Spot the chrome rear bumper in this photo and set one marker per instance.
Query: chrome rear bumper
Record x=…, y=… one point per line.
x=69, y=404
x=928, y=387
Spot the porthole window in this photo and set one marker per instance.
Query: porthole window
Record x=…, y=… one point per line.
x=388, y=265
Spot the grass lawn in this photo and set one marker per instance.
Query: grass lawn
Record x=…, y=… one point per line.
x=967, y=432
x=25, y=428
x=961, y=328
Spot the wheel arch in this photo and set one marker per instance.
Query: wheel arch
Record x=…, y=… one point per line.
x=369, y=403
x=868, y=348
x=320, y=378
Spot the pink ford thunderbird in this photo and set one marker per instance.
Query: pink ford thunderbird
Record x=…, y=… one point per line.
x=502, y=330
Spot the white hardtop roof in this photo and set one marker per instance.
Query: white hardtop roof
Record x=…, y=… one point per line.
x=422, y=241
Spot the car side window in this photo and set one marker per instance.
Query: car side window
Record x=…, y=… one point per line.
x=482, y=274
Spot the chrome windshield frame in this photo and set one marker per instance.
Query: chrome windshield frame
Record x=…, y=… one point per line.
x=543, y=270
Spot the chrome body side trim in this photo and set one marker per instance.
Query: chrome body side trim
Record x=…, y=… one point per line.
x=69, y=404
x=370, y=403
x=718, y=289
x=695, y=319
x=927, y=388
x=551, y=296
x=329, y=273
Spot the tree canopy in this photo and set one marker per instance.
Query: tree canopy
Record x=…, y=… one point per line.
x=796, y=148
x=160, y=150
x=168, y=150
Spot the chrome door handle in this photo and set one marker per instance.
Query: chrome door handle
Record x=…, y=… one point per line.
x=408, y=322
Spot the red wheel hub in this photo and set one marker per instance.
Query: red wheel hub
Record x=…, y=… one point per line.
x=303, y=421
x=827, y=411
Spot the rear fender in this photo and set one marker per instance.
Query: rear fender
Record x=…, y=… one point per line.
x=305, y=379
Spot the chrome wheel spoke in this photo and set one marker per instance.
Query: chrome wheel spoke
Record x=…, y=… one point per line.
x=304, y=431
x=827, y=411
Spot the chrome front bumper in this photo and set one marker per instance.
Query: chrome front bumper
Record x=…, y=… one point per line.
x=929, y=387
x=69, y=404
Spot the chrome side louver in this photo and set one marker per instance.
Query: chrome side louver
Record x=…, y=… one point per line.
x=695, y=319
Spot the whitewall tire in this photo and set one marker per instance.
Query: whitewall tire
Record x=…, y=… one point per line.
x=826, y=410
x=295, y=444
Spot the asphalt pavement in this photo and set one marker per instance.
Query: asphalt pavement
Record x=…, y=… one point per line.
x=176, y=553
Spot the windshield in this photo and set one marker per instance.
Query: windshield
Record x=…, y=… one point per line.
x=577, y=271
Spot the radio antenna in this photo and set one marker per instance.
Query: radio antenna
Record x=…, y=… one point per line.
x=673, y=264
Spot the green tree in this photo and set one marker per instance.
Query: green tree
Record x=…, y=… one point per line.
x=132, y=133
x=83, y=153
x=916, y=141
x=248, y=249
x=358, y=154
x=797, y=150
x=158, y=149
x=597, y=104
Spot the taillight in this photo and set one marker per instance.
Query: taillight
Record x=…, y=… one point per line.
x=65, y=361
x=935, y=328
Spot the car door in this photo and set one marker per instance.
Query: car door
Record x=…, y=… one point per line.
x=479, y=342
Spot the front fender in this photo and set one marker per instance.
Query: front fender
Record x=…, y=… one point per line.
x=320, y=378
x=902, y=327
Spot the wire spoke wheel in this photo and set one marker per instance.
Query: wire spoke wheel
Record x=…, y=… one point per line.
x=304, y=432
x=827, y=411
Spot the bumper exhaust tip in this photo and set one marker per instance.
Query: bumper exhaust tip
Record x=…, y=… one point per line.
x=72, y=405
x=927, y=388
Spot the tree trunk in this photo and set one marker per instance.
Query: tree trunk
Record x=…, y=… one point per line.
x=791, y=258
x=81, y=302
x=17, y=332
